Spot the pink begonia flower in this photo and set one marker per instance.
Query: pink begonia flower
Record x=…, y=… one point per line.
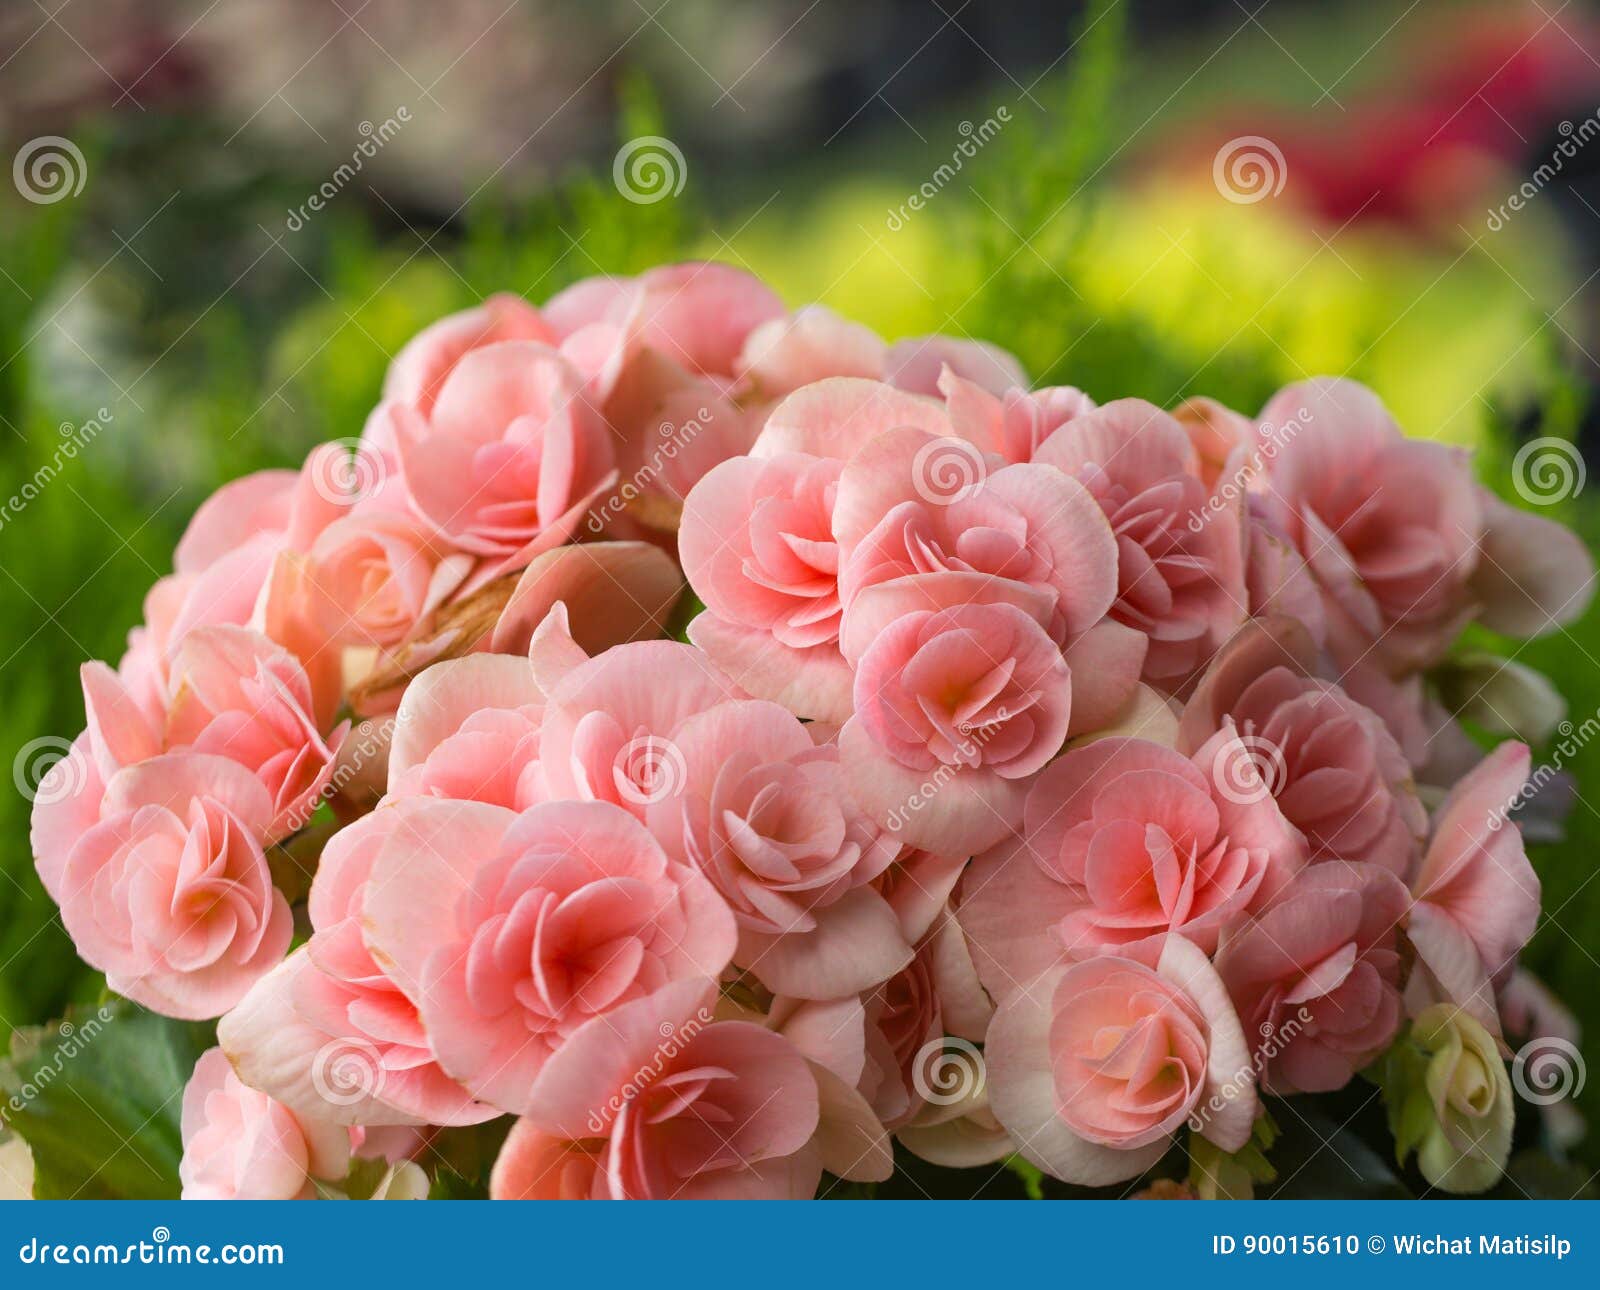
x=1389, y=526
x=837, y=416
x=918, y=887
x=1533, y=574
x=725, y=1110
x=957, y=708
x=372, y=578
x=1122, y=842
x=169, y=894
x=1012, y=423
x=1330, y=764
x=237, y=694
x=764, y=814
x=909, y=1062
x=660, y=358
x=1278, y=581
x=812, y=344
x=1096, y=1067
x=239, y=1144
x=607, y=729
x=327, y=1032
x=1316, y=976
x=509, y=932
x=757, y=547
x=469, y=728
x=1182, y=586
x=508, y=459
x=916, y=364
x=613, y=593
x=1217, y=433
x=909, y=504
x=1477, y=897
x=422, y=366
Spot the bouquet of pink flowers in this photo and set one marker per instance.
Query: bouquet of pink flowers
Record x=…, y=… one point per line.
x=1027, y=778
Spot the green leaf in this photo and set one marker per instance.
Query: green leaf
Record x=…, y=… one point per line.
x=97, y=1096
